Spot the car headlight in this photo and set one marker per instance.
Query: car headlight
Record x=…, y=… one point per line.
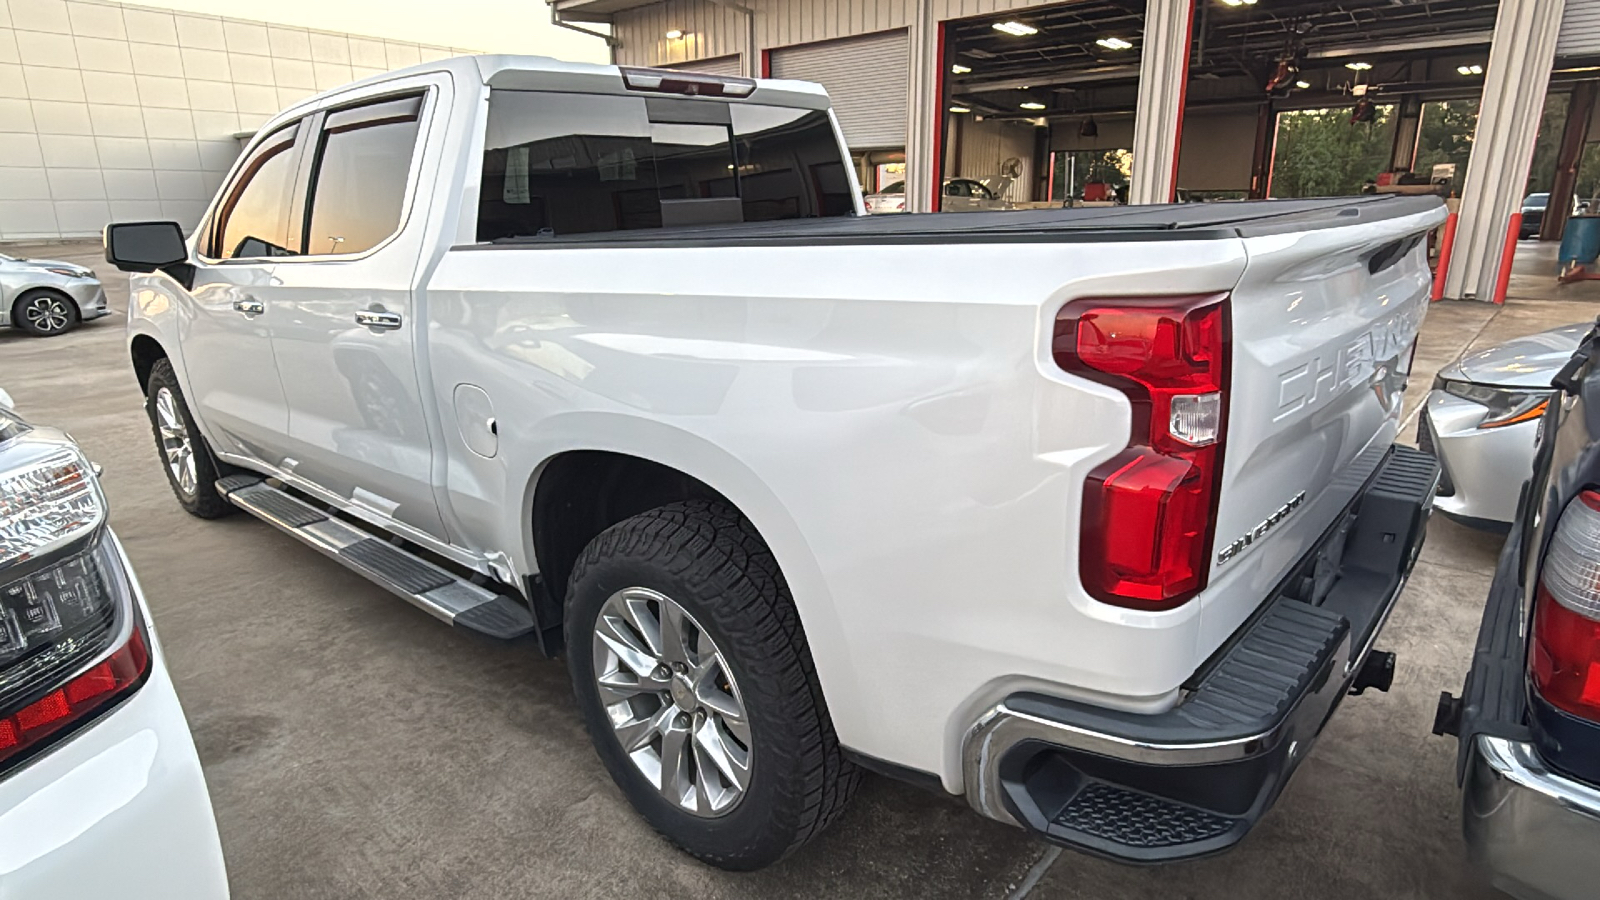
x=71, y=644
x=1507, y=406
x=70, y=273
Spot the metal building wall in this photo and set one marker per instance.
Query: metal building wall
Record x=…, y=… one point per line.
x=987, y=144
x=711, y=29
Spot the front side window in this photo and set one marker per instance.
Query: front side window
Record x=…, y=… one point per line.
x=560, y=164
x=253, y=219
x=358, y=188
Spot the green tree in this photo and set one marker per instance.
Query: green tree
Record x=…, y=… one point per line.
x=1445, y=136
x=1320, y=153
x=1542, y=174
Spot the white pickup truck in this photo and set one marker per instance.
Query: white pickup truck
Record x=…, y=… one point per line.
x=1090, y=516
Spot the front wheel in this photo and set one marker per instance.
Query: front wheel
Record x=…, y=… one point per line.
x=45, y=313
x=697, y=686
x=189, y=466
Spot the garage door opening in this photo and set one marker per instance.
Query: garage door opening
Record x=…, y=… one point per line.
x=1038, y=107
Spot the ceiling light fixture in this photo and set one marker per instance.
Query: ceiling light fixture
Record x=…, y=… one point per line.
x=1358, y=66
x=960, y=109
x=1238, y=2
x=1032, y=105
x=959, y=69
x=1018, y=29
x=1470, y=70
x=1302, y=85
x=1114, y=43
x=674, y=34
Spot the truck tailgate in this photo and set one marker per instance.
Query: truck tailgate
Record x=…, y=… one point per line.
x=1324, y=320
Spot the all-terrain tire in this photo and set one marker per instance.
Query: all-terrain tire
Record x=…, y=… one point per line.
x=201, y=498
x=709, y=560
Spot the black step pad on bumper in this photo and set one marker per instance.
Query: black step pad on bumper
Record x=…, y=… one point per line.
x=1193, y=780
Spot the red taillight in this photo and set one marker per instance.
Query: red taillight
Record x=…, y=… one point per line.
x=80, y=697
x=1147, y=512
x=1565, y=657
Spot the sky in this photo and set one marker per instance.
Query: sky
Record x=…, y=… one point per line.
x=492, y=26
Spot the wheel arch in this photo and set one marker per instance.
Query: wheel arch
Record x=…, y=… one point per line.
x=145, y=351
x=632, y=451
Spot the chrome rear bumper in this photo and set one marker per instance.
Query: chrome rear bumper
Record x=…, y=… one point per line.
x=1533, y=830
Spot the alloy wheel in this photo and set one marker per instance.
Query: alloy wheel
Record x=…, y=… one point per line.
x=672, y=701
x=47, y=314
x=175, y=444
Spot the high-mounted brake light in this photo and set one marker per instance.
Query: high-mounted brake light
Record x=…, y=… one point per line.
x=1147, y=512
x=693, y=84
x=1565, y=657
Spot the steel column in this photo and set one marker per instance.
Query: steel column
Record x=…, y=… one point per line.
x=924, y=109
x=1570, y=156
x=1520, y=59
x=1158, y=116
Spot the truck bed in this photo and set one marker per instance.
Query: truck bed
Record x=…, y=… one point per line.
x=1178, y=221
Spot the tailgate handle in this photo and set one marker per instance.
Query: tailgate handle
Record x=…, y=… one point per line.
x=1391, y=253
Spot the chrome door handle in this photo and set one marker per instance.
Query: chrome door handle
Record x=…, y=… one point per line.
x=377, y=318
x=250, y=306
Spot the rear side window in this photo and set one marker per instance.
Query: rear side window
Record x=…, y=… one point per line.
x=560, y=164
x=358, y=188
x=253, y=220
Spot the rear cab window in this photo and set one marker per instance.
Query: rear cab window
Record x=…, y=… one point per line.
x=562, y=164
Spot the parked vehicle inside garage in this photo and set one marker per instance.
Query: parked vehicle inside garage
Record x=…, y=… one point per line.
x=1483, y=418
x=960, y=195
x=1528, y=719
x=101, y=793
x=608, y=357
x=46, y=297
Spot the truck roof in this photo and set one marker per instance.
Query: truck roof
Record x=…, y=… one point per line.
x=545, y=73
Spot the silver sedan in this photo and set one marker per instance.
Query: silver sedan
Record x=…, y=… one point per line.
x=46, y=297
x=1482, y=420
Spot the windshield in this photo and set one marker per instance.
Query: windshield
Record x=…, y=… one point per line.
x=1537, y=201
x=899, y=187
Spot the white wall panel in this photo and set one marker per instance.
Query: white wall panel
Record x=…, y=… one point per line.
x=115, y=111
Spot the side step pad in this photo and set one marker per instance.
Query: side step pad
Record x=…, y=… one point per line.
x=437, y=591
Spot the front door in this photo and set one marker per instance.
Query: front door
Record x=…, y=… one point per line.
x=347, y=340
x=233, y=382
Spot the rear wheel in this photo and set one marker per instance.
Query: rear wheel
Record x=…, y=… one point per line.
x=697, y=686
x=44, y=313
x=184, y=456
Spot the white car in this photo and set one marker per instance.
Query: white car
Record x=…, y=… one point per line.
x=101, y=793
x=960, y=195
x=1482, y=420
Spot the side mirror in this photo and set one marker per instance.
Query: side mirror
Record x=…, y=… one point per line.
x=145, y=246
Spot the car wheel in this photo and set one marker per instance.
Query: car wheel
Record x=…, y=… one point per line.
x=44, y=313
x=184, y=456
x=697, y=686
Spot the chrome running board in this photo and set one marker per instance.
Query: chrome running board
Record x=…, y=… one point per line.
x=437, y=591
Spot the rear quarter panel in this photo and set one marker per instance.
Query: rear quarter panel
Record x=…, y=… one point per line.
x=887, y=415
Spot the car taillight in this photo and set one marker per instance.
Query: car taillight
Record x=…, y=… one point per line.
x=71, y=644
x=1147, y=512
x=1565, y=657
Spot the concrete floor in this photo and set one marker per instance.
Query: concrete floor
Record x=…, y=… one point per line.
x=357, y=748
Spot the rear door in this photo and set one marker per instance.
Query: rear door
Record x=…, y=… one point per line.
x=228, y=354
x=344, y=329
